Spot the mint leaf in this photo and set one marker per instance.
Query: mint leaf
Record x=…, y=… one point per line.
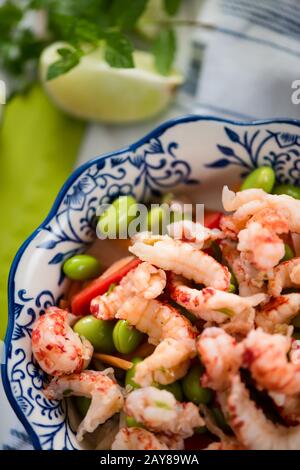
x=75, y=30
x=172, y=6
x=85, y=31
x=164, y=49
x=64, y=52
x=118, y=51
x=69, y=59
x=125, y=13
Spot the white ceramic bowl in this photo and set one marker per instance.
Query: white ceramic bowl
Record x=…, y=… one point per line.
x=195, y=154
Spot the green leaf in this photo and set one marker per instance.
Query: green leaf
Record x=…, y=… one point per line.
x=75, y=30
x=164, y=49
x=84, y=31
x=38, y=4
x=125, y=13
x=10, y=15
x=69, y=59
x=118, y=51
x=64, y=52
x=172, y=6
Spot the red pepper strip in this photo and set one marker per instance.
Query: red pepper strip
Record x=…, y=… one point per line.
x=80, y=303
x=212, y=219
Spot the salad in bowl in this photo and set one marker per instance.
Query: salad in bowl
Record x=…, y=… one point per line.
x=178, y=332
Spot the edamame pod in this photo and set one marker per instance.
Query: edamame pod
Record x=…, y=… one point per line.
x=288, y=253
x=263, y=178
x=288, y=189
x=115, y=220
x=126, y=338
x=131, y=373
x=82, y=267
x=98, y=332
x=192, y=388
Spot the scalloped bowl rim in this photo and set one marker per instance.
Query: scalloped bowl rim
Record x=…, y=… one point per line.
x=156, y=132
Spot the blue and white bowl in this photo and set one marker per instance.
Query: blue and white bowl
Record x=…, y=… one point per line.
x=196, y=154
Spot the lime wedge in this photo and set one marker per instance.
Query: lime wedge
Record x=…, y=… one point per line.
x=94, y=90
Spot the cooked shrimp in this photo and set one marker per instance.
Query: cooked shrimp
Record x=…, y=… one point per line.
x=249, y=280
x=182, y=258
x=266, y=357
x=214, y=305
x=263, y=247
x=159, y=411
x=285, y=275
x=258, y=237
x=287, y=406
x=168, y=329
x=137, y=439
x=274, y=316
x=248, y=202
x=251, y=426
x=169, y=362
x=173, y=442
x=296, y=243
x=105, y=394
x=233, y=201
x=145, y=280
x=295, y=352
x=231, y=256
x=195, y=233
x=229, y=227
x=221, y=357
x=56, y=347
x=230, y=444
x=240, y=325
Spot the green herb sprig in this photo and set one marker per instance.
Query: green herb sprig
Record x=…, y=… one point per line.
x=83, y=25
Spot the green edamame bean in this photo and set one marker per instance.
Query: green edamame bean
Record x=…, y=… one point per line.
x=126, y=338
x=233, y=283
x=263, y=177
x=82, y=405
x=115, y=220
x=174, y=388
x=98, y=332
x=82, y=267
x=288, y=253
x=131, y=373
x=192, y=388
x=133, y=423
x=288, y=189
x=232, y=288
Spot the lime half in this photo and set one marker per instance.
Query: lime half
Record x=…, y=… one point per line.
x=94, y=90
